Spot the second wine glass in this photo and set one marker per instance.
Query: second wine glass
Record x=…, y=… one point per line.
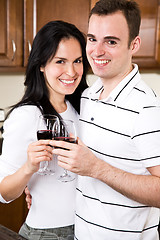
x=64, y=130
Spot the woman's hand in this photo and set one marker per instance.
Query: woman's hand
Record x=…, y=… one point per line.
x=12, y=186
x=37, y=152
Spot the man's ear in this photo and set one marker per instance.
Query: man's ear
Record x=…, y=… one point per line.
x=135, y=45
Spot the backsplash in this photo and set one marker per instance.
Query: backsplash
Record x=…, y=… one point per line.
x=11, y=89
x=12, y=86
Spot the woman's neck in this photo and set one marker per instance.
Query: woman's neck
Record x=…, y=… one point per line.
x=58, y=104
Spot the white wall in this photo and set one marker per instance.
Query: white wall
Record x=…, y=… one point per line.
x=153, y=80
x=12, y=88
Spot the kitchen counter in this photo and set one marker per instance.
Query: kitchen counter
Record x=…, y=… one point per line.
x=1, y=140
x=7, y=234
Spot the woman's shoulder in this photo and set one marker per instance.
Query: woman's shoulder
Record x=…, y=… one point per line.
x=22, y=121
x=26, y=110
x=23, y=114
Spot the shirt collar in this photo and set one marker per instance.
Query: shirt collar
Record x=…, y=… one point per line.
x=120, y=91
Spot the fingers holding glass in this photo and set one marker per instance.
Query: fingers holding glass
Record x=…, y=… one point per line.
x=64, y=130
x=45, y=131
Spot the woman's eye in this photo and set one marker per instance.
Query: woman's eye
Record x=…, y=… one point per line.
x=60, y=61
x=78, y=61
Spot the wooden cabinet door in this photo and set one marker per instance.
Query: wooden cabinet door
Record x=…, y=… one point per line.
x=29, y=15
x=11, y=32
x=39, y=12
x=148, y=56
x=12, y=215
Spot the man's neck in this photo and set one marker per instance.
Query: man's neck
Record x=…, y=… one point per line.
x=110, y=84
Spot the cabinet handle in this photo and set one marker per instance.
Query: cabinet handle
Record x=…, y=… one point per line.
x=29, y=46
x=14, y=49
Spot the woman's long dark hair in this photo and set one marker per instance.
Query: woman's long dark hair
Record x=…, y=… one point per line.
x=44, y=48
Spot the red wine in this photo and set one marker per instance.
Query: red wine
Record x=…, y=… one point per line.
x=44, y=134
x=66, y=139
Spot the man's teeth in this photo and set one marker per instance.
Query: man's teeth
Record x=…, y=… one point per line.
x=101, y=61
x=67, y=81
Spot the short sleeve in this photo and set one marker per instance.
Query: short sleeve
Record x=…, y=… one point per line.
x=146, y=136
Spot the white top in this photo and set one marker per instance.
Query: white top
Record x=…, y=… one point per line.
x=53, y=202
x=123, y=130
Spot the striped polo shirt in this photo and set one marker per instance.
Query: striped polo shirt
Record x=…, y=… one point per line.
x=124, y=131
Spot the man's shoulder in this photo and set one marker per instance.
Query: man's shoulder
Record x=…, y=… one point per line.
x=85, y=92
x=146, y=94
x=92, y=88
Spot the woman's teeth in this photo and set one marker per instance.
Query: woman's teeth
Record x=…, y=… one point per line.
x=67, y=81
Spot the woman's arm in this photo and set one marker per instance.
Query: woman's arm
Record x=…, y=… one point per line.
x=16, y=167
x=12, y=186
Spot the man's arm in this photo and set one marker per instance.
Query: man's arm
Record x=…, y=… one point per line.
x=80, y=160
x=141, y=188
x=28, y=198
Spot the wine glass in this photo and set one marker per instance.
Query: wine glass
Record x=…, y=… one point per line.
x=45, y=131
x=64, y=130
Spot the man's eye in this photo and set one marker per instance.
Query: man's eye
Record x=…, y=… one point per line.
x=112, y=42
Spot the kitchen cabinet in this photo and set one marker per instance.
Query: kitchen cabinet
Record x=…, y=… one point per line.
x=21, y=19
x=11, y=32
x=13, y=214
x=39, y=12
x=148, y=57
x=149, y=54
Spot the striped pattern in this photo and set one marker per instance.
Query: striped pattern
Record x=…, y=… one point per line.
x=121, y=130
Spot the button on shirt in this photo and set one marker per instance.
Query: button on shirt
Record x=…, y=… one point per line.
x=124, y=131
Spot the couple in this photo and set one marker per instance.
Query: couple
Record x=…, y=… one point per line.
x=117, y=157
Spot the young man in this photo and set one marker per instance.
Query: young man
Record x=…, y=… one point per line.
x=118, y=192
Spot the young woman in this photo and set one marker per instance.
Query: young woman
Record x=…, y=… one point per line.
x=55, y=79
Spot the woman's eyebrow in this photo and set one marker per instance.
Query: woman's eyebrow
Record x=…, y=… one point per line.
x=62, y=58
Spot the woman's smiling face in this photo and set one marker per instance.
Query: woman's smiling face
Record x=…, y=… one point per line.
x=64, y=72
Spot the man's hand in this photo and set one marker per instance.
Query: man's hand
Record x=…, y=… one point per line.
x=76, y=158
